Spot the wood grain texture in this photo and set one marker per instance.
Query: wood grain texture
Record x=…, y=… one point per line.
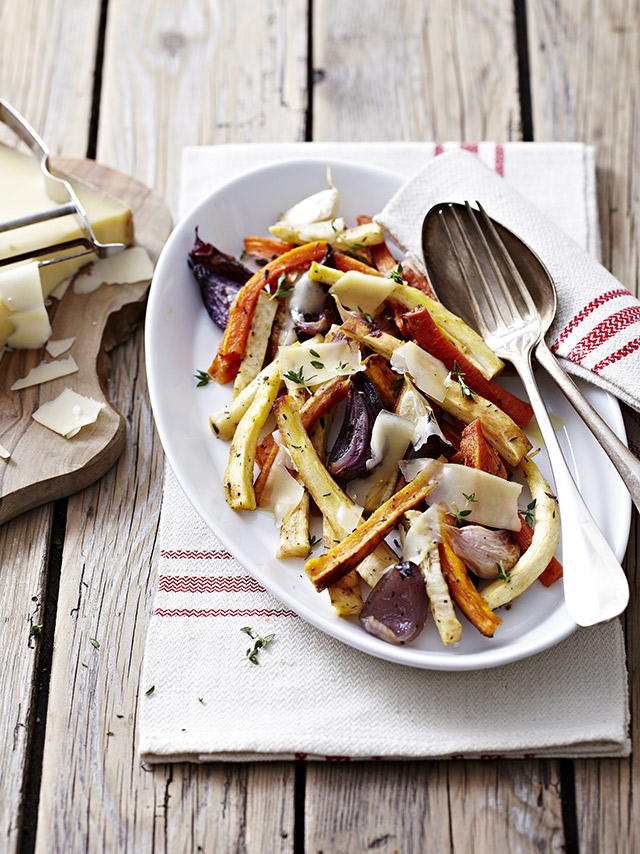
x=43, y=465
x=168, y=70
x=47, y=61
x=585, y=64
x=404, y=807
x=47, y=54
x=24, y=545
x=415, y=71
x=205, y=72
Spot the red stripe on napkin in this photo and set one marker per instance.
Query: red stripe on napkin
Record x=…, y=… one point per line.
x=209, y=584
x=500, y=159
x=217, y=554
x=223, y=612
x=628, y=348
x=603, y=331
x=469, y=146
x=586, y=311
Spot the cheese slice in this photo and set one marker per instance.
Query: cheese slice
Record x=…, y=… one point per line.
x=362, y=292
x=21, y=298
x=23, y=192
x=45, y=372
x=4, y=454
x=427, y=372
x=309, y=366
x=125, y=268
x=68, y=413
x=490, y=500
x=59, y=346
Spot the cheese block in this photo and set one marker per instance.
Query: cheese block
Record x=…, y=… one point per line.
x=23, y=192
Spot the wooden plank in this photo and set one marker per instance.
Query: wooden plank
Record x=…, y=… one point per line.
x=415, y=71
x=23, y=557
x=423, y=71
x=575, y=46
x=48, y=55
x=438, y=806
x=95, y=794
x=179, y=74
x=47, y=50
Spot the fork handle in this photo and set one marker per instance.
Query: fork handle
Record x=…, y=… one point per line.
x=627, y=465
x=595, y=586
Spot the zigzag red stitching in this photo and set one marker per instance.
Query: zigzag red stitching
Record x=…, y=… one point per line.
x=207, y=584
x=223, y=612
x=586, y=311
x=180, y=554
x=629, y=347
x=603, y=331
x=500, y=159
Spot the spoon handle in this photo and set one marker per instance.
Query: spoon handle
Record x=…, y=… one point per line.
x=595, y=586
x=627, y=465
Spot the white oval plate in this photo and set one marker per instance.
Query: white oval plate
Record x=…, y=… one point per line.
x=180, y=339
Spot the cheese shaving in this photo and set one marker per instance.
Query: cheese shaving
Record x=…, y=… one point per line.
x=45, y=372
x=127, y=267
x=58, y=347
x=68, y=413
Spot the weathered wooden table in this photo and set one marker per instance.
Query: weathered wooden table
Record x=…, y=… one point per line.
x=130, y=82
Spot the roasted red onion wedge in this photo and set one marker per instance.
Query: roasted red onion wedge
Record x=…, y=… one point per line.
x=397, y=607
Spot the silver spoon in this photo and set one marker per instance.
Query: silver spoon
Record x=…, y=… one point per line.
x=490, y=286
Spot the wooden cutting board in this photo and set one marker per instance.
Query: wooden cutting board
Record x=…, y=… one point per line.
x=43, y=465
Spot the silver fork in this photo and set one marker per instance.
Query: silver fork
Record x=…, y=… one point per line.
x=595, y=586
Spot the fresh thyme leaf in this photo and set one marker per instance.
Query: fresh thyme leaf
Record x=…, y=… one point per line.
x=203, y=378
x=298, y=377
x=353, y=254
x=528, y=515
x=396, y=385
x=109, y=732
x=201, y=700
x=505, y=576
x=461, y=515
x=396, y=275
x=258, y=644
x=365, y=314
x=35, y=631
x=283, y=288
x=150, y=691
x=119, y=716
x=57, y=543
x=317, y=365
x=314, y=353
x=94, y=643
x=464, y=388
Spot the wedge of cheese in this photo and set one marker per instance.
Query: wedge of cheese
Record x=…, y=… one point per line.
x=23, y=192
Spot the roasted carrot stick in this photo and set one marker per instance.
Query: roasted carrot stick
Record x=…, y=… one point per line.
x=463, y=591
x=478, y=453
x=266, y=247
x=225, y=365
x=422, y=328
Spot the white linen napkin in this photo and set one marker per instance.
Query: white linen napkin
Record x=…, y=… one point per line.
x=311, y=696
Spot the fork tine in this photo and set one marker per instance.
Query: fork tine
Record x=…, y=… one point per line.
x=507, y=309
x=478, y=311
x=522, y=289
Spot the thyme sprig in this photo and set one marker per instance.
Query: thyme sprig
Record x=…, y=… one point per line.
x=258, y=644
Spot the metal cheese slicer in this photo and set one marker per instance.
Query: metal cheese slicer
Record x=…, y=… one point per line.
x=500, y=287
x=60, y=191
